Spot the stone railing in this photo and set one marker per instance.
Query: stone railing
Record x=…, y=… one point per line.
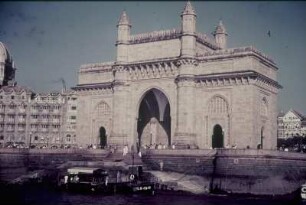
x=239, y=50
x=206, y=40
x=155, y=36
x=96, y=66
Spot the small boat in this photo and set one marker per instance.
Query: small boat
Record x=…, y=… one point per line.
x=85, y=179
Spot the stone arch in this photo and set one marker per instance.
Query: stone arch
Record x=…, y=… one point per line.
x=153, y=118
x=142, y=95
x=261, y=140
x=102, y=117
x=102, y=137
x=218, y=113
x=217, y=137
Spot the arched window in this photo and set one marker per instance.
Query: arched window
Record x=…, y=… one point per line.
x=103, y=109
x=218, y=105
x=68, y=138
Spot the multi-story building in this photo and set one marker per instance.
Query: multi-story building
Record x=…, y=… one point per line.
x=26, y=117
x=290, y=124
x=70, y=120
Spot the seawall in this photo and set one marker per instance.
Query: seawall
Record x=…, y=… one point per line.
x=245, y=171
x=16, y=162
x=240, y=171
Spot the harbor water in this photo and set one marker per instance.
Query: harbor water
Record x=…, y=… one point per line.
x=40, y=195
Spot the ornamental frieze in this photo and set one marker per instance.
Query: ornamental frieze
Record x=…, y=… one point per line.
x=187, y=61
x=152, y=70
x=185, y=80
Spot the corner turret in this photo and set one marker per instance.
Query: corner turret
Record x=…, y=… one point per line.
x=124, y=28
x=220, y=35
x=188, y=26
x=7, y=67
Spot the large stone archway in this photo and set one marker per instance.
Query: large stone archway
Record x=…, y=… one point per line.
x=154, y=121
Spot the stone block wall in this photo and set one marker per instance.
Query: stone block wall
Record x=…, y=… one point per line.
x=244, y=171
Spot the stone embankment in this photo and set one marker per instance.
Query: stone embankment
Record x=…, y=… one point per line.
x=256, y=172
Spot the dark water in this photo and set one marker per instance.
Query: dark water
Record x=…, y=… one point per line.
x=40, y=195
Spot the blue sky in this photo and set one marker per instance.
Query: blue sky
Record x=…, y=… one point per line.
x=50, y=40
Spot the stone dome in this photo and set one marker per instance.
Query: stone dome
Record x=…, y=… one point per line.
x=4, y=54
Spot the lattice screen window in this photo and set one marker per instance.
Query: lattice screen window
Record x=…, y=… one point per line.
x=218, y=105
x=103, y=110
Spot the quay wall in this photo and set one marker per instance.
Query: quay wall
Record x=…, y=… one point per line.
x=16, y=162
x=243, y=171
x=240, y=171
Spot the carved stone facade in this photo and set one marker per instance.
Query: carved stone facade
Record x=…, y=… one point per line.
x=179, y=87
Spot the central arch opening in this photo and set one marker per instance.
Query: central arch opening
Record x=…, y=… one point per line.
x=154, y=121
x=217, y=138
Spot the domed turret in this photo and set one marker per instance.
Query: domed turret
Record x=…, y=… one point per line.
x=124, y=28
x=7, y=68
x=188, y=26
x=220, y=35
x=4, y=54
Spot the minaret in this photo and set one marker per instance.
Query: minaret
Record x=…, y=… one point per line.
x=188, y=40
x=185, y=131
x=221, y=36
x=7, y=67
x=124, y=28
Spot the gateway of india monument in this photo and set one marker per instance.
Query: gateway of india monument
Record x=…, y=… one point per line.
x=178, y=87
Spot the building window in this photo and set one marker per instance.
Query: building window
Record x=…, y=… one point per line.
x=218, y=105
x=73, y=108
x=73, y=117
x=12, y=97
x=1, y=137
x=36, y=138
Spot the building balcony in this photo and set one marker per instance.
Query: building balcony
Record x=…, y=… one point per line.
x=2, y=110
x=11, y=111
x=44, y=130
x=34, y=129
x=10, y=122
x=56, y=111
x=21, y=120
x=45, y=111
x=22, y=111
x=55, y=121
x=34, y=120
x=10, y=129
x=21, y=129
x=34, y=111
x=55, y=130
x=45, y=121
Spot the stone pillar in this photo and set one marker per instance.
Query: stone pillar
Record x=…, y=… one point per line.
x=185, y=125
x=120, y=103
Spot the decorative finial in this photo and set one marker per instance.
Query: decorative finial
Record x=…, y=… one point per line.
x=123, y=20
x=220, y=29
x=188, y=9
